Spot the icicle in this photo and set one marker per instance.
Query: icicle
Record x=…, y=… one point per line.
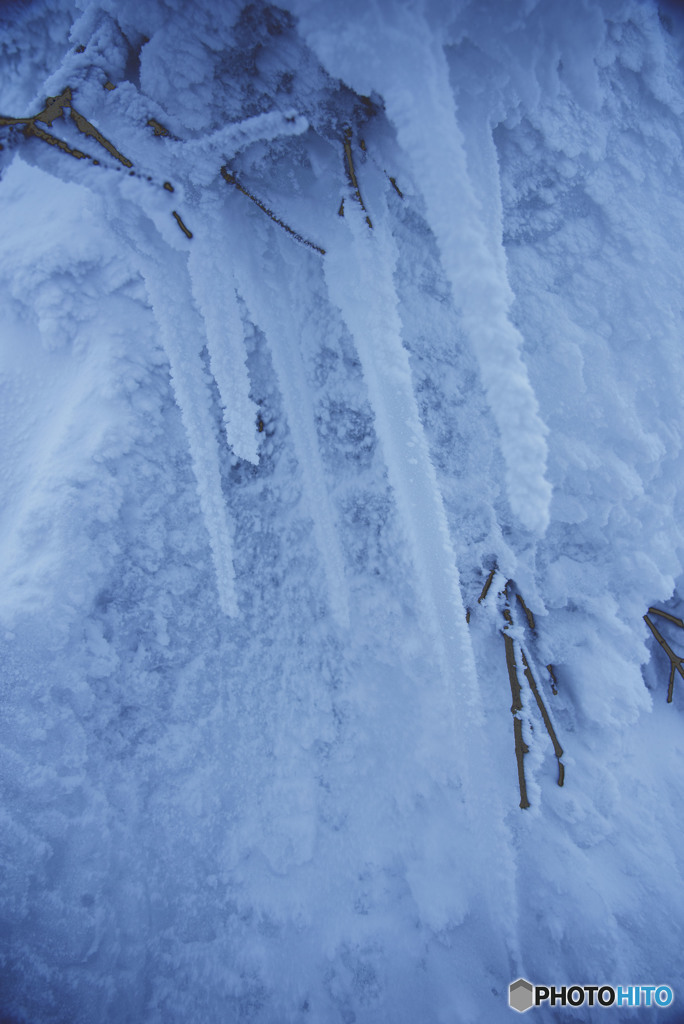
x=166, y=276
x=213, y=287
x=434, y=145
x=275, y=289
x=408, y=68
x=359, y=275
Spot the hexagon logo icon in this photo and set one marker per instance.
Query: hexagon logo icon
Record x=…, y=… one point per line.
x=520, y=995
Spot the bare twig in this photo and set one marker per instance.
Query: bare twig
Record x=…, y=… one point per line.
x=86, y=128
x=181, y=225
x=557, y=749
x=232, y=180
x=352, y=174
x=488, y=583
x=521, y=747
x=54, y=109
x=32, y=129
x=517, y=705
x=396, y=187
x=675, y=662
x=159, y=129
x=666, y=615
x=528, y=614
x=512, y=673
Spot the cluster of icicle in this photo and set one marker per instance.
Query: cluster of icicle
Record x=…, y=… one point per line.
x=194, y=280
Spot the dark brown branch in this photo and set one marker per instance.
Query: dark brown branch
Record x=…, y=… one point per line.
x=396, y=187
x=33, y=130
x=512, y=673
x=521, y=749
x=352, y=174
x=557, y=749
x=54, y=108
x=485, y=589
x=520, y=746
x=666, y=615
x=528, y=614
x=232, y=180
x=181, y=225
x=86, y=128
x=159, y=129
x=675, y=662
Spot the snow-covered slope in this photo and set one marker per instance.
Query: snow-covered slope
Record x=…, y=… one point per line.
x=340, y=383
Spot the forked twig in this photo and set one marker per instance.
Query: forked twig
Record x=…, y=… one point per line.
x=675, y=662
x=666, y=615
x=53, y=109
x=521, y=747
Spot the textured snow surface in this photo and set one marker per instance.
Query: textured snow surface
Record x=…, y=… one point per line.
x=408, y=309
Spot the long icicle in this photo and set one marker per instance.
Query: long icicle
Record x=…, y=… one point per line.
x=359, y=274
x=273, y=291
x=417, y=66
x=168, y=284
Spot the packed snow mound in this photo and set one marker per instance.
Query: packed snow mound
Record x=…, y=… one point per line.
x=340, y=390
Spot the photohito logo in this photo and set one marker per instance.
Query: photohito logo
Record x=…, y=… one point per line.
x=523, y=995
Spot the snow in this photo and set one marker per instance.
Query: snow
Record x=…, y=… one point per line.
x=264, y=445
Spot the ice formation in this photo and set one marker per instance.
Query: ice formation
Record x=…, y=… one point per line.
x=340, y=380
